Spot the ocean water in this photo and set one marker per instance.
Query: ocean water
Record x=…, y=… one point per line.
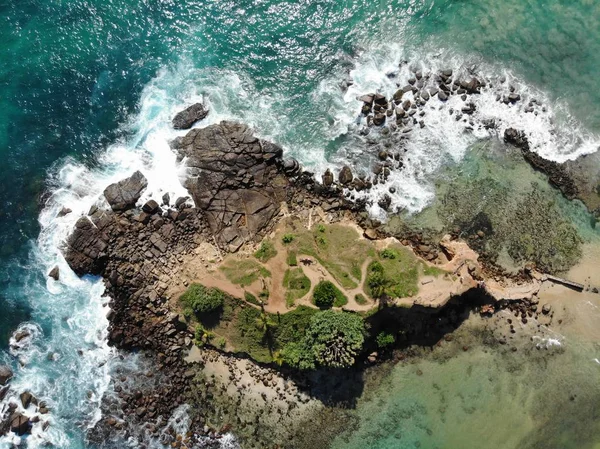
x=87, y=90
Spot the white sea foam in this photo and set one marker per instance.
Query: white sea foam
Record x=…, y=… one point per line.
x=551, y=130
x=70, y=315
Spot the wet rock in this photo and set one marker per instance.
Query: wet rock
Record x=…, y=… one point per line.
x=385, y=201
x=327, y=178
x=151, y=207
x=380, y=99
x=379, y=119
x=368, y=99
x=6, y=374
x=291, y=167
x=186, y=118
x=166, y=199
x=442, y=95
x=345, y=176
x=64, y=211
x=124, y=194
x=85, y=248
x=54, y=273
x=19, y=424
x=26, y=398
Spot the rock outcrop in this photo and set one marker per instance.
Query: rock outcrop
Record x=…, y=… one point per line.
x=236, y=179
x=186, y=118
x=557, y=173
x=5, y=374
x=124, y=194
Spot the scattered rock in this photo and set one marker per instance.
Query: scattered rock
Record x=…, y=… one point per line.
x=345, y=176
x=546, y=309
x=327, y=178
x=151, y=207
x=54, y=273
x=371, y=234
x=186, y=118
x=124, y=194
x=6, y=374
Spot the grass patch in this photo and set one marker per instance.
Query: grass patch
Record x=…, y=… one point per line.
x=249, y=297
x=395, y=273
x=243, y=272
x=296, y=284
x=338, y=248
x=428, y=270
x=266, y=251
x=361, y=299
x=292, y=259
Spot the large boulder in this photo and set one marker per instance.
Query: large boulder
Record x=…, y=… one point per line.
x=124, y=194
x=86, y=248
x=237, y=179
x=19, y=423
x=186, y=118
x=5, y=374
x=345, y=176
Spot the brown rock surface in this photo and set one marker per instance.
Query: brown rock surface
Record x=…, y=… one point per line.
x=235, y=178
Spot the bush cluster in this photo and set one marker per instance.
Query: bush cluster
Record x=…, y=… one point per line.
x=332, y=339
x=202, y=300
x=326, y=295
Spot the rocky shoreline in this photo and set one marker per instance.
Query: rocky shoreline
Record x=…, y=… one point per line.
x=237, y=185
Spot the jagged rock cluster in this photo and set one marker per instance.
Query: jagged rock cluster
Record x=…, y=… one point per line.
x=237, y=182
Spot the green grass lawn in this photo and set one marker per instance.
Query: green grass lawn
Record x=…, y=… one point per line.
x=401, y=271
x=338, y=248
x=296, y=284
x=243, y=272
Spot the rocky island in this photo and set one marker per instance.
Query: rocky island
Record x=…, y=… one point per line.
x=267, y=279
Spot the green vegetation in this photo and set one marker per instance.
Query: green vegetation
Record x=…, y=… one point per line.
x=395, y=274
x=266, y=251
x=327, y=295
x=287, y=238
x=296, y=284
x=432, y=271
x=389, y=254
x=360, y=299
x=221, y=343
x=385, y=339
x=201, y=300
x=292, y=259
x=332, y=339
x=243, y=272
x=252, y=299
x=338, y=248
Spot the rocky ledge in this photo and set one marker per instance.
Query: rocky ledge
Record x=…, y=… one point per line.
x=238, y=184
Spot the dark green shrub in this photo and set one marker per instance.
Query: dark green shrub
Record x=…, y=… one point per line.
x=266, y=251
x=325, y=295
x=203, y=300
x=389, y=254
x=288, y=238
x=332, y=339
x=385, y=339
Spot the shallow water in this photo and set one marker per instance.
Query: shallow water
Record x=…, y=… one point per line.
x=87, y=89
x=531, y=398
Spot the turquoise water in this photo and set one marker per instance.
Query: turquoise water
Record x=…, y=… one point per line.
x=87, y=89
